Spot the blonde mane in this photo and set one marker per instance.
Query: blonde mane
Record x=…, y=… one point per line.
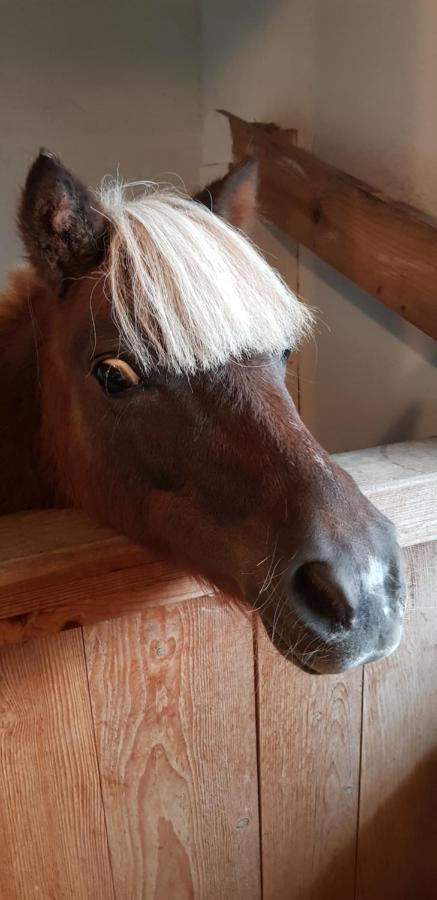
x=188, y=291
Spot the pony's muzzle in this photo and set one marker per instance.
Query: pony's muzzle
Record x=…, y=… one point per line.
x=349, y=609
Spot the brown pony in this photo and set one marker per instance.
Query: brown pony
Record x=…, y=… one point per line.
x=143, y=356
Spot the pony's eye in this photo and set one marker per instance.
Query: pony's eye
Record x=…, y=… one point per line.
x=285, y=355
x=115, y=375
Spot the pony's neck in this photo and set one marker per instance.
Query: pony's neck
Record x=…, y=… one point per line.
x=22, y=484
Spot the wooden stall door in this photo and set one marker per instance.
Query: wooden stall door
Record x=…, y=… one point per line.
x=397, y=849
x=172, y=693
x=348, y=767
x=53, y=841
x=128, y=760
x=173, y=754
x=309, y=758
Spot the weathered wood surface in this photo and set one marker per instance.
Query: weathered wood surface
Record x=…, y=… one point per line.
x=348, y=766
x=397, y=858
x=136, y=753
x=172, y=694
x=59, y=570
x=53, y=840
x=385, y=247
x=401, y=480
x=309, y=761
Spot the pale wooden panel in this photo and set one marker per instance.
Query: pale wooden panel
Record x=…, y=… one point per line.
x=398, y=835
x=53, y=840
x=82, y=603
x=309, y=746
x=58, y=569
x=172, y=694
x=401, y=480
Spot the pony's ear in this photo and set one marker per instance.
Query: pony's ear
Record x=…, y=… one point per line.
x=234, y=196
x=61, y=226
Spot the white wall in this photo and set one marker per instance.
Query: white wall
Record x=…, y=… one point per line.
x=101, y=82
x=357, y=78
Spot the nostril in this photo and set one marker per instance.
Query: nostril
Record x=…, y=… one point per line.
x=320, y=597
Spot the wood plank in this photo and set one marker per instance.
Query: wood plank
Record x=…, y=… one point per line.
x=397, y=857
x=58, y=570
x=82, y=602
x=401, y=480
x=309, y=749
x=53, y=839
x=310, y=727
x=385, y=247
x=173, y=702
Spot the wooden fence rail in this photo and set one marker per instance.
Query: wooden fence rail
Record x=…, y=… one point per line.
x=173, y=753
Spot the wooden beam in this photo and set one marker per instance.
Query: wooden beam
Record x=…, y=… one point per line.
x=58, y=570
x=401, y=480
x=389, y=249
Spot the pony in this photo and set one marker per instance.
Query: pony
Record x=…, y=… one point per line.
x=143, y=355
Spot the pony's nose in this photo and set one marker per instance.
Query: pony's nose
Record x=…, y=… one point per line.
x=322, y=599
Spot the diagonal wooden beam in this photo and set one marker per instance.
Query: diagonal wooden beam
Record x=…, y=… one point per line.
x=387, y=248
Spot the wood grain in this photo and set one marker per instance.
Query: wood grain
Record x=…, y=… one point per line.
x=59, y=570
x=397, y=857
x=171, y=727
x=173, y=703
x=401, y=480
x=309, y=759
x=53, y=840
x=387, y=248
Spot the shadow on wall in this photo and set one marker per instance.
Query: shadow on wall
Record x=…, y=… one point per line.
x=396, y=857
x=402, y=428
x=368, y=377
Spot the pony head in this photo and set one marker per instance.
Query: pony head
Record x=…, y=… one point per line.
x=163, y=341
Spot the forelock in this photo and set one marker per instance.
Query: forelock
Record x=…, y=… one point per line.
x=188, y=291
